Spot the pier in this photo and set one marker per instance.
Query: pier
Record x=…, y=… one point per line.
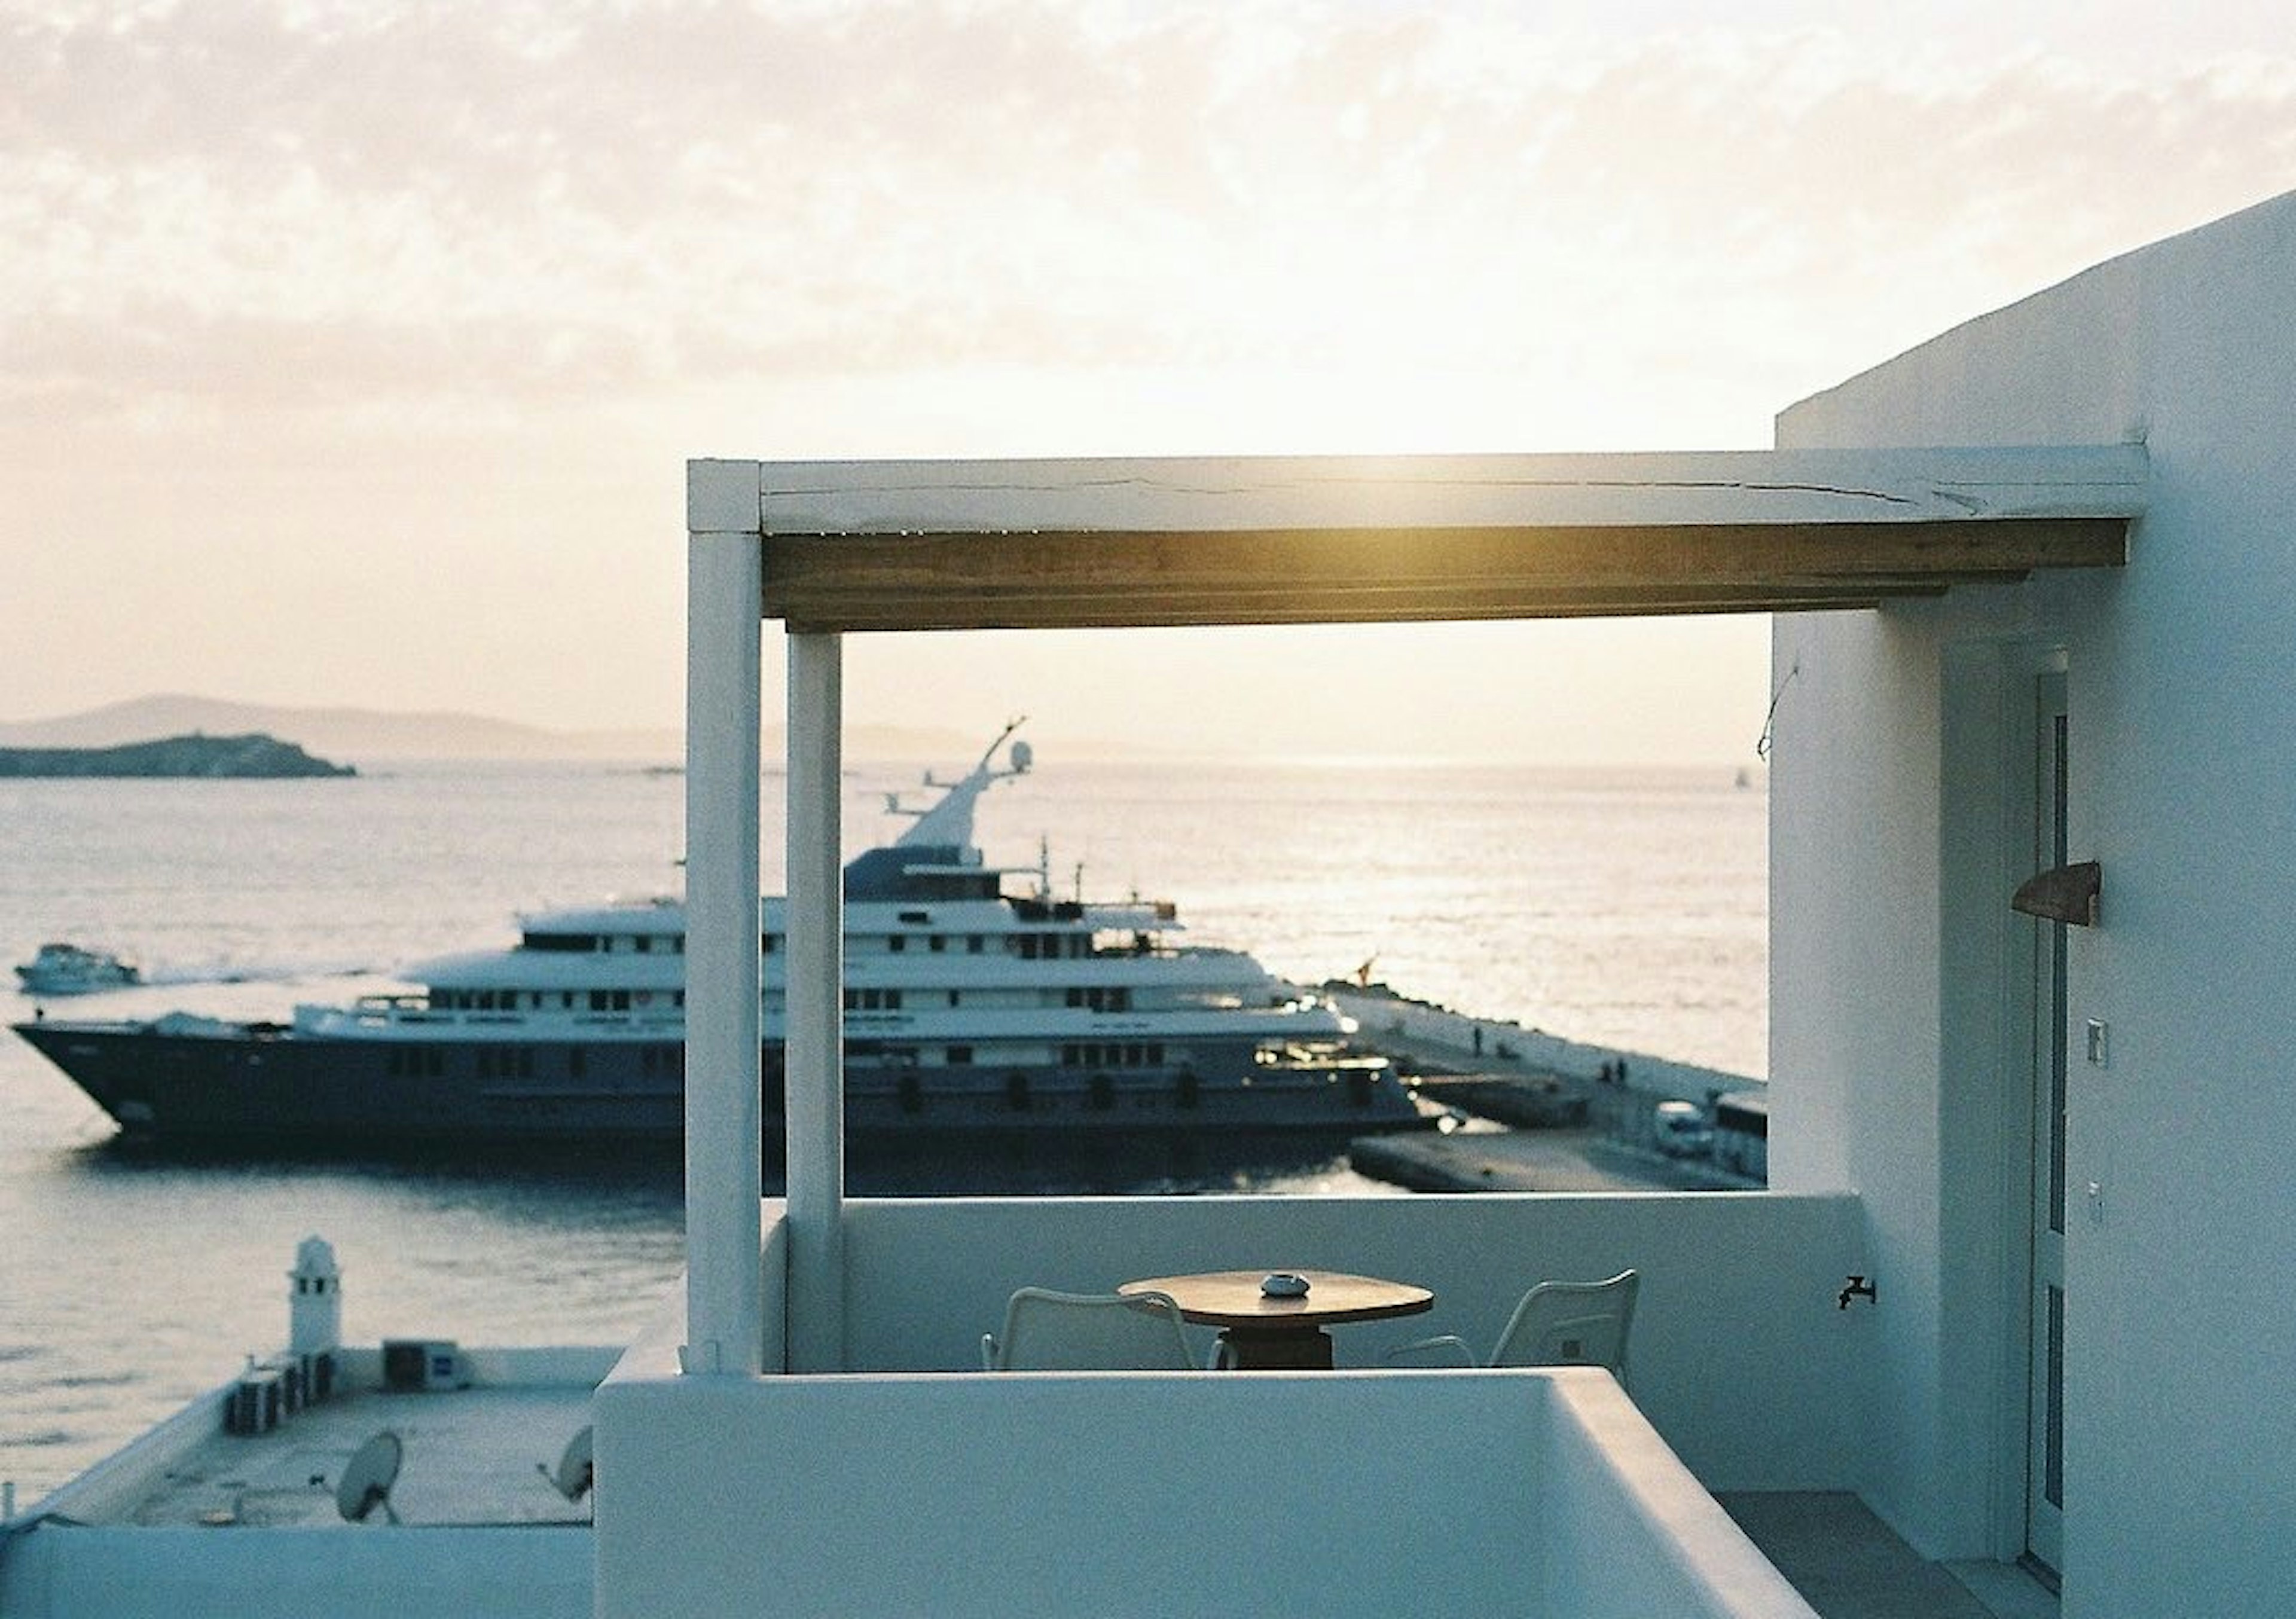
x=1533, y=1112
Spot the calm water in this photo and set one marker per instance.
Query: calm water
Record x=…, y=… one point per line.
x=1626, y=909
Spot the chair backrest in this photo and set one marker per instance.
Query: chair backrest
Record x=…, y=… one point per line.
x=1572, y=1323
x=1050, y=1331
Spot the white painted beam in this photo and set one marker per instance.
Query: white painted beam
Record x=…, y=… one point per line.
x=724, y=1308
x=1703, y=488
x=814, y=1081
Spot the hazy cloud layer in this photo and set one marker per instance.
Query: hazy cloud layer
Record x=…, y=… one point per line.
x=336, y=205
x=351, y=352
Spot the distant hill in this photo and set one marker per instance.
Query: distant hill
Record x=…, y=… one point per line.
x=365, y=735
x=359, y=734
x=200, y=757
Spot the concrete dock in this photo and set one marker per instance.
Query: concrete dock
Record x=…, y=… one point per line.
x=1480, y=1158
x=1528, y=1111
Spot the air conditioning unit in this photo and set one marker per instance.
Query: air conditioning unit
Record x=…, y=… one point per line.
x=417, y=1366
x=295, y=1374
x=258, y=1402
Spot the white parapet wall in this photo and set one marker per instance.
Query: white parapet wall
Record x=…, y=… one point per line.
x=1156, y=1494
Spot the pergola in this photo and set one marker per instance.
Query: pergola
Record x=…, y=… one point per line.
x=836, y=547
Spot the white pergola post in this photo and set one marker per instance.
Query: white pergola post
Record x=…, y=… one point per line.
x=725, y=1310
x=813, y=1084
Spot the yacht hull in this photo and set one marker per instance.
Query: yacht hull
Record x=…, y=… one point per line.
x=268, y=1085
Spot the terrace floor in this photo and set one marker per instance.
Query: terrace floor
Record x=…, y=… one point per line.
x=1849, y=1564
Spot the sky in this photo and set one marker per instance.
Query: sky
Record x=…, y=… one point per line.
x=351, y=354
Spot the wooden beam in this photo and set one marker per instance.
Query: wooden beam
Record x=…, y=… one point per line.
x=1381, y=608
x=1016, y=581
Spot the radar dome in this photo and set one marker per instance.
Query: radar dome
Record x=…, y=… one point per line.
x=1023, y=756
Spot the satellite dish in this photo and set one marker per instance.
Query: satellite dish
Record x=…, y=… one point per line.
x=367, y=1477
x=573, y=1474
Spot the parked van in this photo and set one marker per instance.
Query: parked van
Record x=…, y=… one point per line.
x=1682, y=1130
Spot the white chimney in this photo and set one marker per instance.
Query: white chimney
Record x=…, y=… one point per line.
x=315, y=1320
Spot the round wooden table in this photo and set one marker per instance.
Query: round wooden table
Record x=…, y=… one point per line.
x=1266, y=1334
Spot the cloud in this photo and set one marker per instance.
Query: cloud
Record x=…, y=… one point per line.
x=306, y=205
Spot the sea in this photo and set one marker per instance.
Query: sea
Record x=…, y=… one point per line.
x=1622, y=907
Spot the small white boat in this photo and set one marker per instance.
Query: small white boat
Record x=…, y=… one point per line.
x=68, y=969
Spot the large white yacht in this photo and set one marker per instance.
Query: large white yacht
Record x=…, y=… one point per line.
x=968, y=1007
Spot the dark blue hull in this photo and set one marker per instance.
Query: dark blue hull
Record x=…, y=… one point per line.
x=264, y=1085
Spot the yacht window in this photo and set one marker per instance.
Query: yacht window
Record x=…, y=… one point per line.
x=952, y=997
x=960, y=1056
x=621, y=1000
x=577, y=943
x=939, y=942
x=598, y=1000
x=767, y=942
x=896, y=944
x=973, y=944
x=645, y=943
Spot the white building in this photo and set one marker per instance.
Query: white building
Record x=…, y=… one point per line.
x=2056, y=534
x=2104, y=1398
x=1913, y=787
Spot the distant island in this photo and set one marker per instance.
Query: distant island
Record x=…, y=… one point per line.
x=205, y=757
x=381, y=737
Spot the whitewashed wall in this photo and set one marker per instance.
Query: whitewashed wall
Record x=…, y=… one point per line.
x=1742, y=1359
x=1892, y=792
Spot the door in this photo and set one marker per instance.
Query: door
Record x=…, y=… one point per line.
x=2044, y=1424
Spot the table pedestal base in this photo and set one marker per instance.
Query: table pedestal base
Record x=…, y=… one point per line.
x=1310, y=1351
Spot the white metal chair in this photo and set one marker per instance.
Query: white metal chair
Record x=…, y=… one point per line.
x=576, y=1471
x=1050, y=1331
x=1556, y=1323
